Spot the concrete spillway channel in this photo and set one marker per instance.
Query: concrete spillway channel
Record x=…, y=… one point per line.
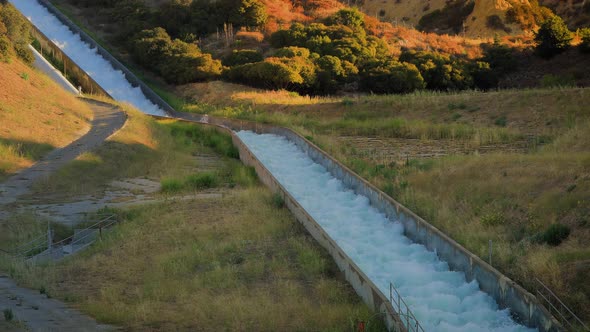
x=382, y=247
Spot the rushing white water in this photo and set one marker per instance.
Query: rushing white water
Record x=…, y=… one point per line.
x=110, y=79
x=441, y=299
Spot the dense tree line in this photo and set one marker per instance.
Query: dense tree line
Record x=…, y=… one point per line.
x=15, y=34
x=176, y=61
x=324, y=57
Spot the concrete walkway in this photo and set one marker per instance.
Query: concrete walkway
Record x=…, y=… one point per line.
x=39, y=313
x=107, y=120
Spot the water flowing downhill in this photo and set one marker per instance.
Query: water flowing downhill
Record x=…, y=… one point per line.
x=441, y=299
x=110, y=79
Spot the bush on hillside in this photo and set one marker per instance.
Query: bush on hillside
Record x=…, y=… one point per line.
x=14, y=33
x=350, y=17
x=266, y=74
x=241, y=57
x=527, y=15
x=500, y=57
x=440, y=72
x=484, y=78
x=176, y=61
x=332, y=73
x=553, y=37
x=555, y=234
x=391, y=77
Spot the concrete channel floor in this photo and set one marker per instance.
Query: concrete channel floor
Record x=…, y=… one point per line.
x=39, y=313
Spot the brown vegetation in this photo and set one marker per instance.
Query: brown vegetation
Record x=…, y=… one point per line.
x=36, y=116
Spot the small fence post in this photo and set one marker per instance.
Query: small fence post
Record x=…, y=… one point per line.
x=49, y=237
x=490, y=252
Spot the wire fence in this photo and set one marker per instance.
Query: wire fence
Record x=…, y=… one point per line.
x=399, y=305
x=557, y=308
x=43, y=245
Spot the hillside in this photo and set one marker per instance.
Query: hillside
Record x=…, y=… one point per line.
x=36, y=115
x=477, y=19
x=575, y=12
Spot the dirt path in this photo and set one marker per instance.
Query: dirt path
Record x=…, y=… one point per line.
x=39, y=313
x=32, y=310
x=107, y=120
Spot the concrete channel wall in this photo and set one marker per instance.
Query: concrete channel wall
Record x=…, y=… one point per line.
x=524, y=306
x=70, y=68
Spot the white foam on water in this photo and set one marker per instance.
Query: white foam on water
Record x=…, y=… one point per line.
x=441, y=300
x=110, y=79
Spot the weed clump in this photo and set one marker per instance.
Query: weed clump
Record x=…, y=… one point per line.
x=194, y=181
x=171, y=185
x=278, y=201
x=201, y=181
x=8, y=315
x=555, y=234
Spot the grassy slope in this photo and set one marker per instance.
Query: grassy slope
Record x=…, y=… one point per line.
x=237, y=263
x=36, y=116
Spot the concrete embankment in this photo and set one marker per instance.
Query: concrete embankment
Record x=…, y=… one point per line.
x=508, y=294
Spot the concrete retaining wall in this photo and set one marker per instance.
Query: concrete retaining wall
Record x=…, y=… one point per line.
x=70, y=68
x=136, y=82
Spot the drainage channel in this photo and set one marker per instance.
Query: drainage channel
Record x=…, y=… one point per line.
x=442, y=300
x=112, y=80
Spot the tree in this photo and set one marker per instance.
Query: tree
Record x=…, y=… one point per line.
x=391, y=76
x=441, y=72
x=269, y=74
x=500, y=57
x=351, y=17
x=241, y=57
x=15, y=32
x=553, y=37
x=251, y=13
x=484, y=78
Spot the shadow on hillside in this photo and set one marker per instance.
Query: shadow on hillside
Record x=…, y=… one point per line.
x=26, y=149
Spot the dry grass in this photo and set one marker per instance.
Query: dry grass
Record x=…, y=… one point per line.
x=36, y=116
x=239, y=263
x=509, y=198
x=143, y=147
x=236, y=264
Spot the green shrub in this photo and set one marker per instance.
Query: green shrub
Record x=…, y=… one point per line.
x=171, y=185
x=391, y=77
x=278, y=201
x=5, y=47
x=201, y=181
x=550, y=81
x=492, y=219
x=553, y=37
x=8, y=315
x=585, y=36
x=555, y=234
x=501, y=121
x=243, y=176
x=241, y=57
